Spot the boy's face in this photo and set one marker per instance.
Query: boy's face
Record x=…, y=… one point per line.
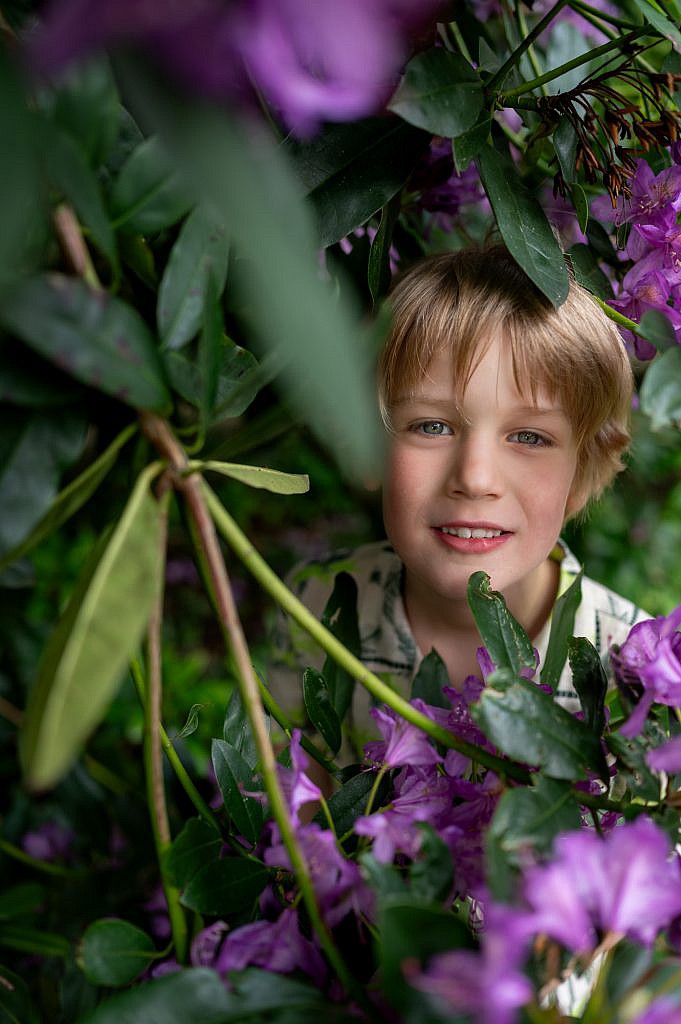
x=487, y=490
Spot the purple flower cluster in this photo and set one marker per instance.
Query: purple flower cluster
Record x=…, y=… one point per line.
x=442, y=190
x=315, y=60
x=653, y=246
x=650, y=658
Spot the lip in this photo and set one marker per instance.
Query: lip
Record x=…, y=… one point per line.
x=476, y=524
x=471, y=545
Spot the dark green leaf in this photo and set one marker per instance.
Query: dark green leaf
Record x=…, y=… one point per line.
x=430, y=680
x=71, y=498
x=320, y=710
x=655, y=17
x=523, y=225
x=138, y=256
x=21, y=899
x=87, y=106
x=589, y=680
x=225, y=886
x=149, y=193
x=239, y=379
x=194, y=994
x=467, y=146
x=526, y=724
x=440, y=92
x=350, y=802
x=657, y=328
x=35, y=449
x=234, y=777
x=587, y=271
x=197, y=844
x=379, y=254
x=84, y=660
x=67, y=168
x=672, y=63
x=351, y=170
x=200, y=254
x=340, y=616
x=632, y=766
x=660, y=392
x=36, y=941
x=16, y=1006
x=210, y=353
x=96, y=338
x=264, y=995
x=565, y=145
x=237, y=729
x=114, y=952
x=532, y=816
x=501, y=876
x=28, y=381
x=431, y=875
x=562, y=628
x=504, y=637
x=384, y=879
x=628, y=963
x=581, y=205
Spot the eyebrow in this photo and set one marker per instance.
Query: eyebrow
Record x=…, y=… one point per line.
x=444, y=403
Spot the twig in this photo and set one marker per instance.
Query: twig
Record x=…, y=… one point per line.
x=75, y=250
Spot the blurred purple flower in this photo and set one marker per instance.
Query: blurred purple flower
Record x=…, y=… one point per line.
x=49, y=841
x=157, y=909
x=562, y=215
x=403, y=744
x=651, y=656
x=665, y=1010
x=298, y=788
x=488, y=985
x=622, y=883
x=370, y=231
x=276, y=946
x=206, y=944
x=443, y=191
x=666, y=757
x=649, y=193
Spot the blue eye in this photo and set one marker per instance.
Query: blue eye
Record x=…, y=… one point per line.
x=530, y=438
x=433, y=428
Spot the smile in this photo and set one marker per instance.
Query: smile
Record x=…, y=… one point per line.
x=466, y=532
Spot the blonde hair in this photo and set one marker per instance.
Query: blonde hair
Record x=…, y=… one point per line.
x=460, y=301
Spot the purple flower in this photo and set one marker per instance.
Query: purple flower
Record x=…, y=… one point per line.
x=645, y=287
x=206, y=944
x=662, y=232
x=649, y=193
x=49, y=841
x=651, y=656
x=443, y=191
x=622, y=883
x=298, y=788
x=404, y=743
x=276, y=946
x=488, y=985
x=665, y=1010
x=666, y=758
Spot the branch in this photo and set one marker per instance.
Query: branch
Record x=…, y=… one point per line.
x=496, y=81
x=73, y=245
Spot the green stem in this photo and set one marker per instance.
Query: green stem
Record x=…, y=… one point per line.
x=47, y=867
x=70, y=237
x=497, y=80
x=531, y=52
x=333, y=647
x=619, y=318
x=576, y=62
x=592, y=14
x=460, y=41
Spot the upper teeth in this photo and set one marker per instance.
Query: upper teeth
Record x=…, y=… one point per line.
x=466, y=532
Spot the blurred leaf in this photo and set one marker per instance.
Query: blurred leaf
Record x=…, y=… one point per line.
x=562, y=628
x=149, y=193
x=201, y=253
x=35, y=449
x=225, y=886
x=237, y=729
x=240, y=377
x=21, y=899
x=657, y=328
x=587, y=271
x=672, y=63
x=16, y=1006
x=430, y=680
x=83, y=662
x=29, y=381
x=138, y=256
x=384, y=879
x=654, y=15
x=589, y=680
x=113, y=952
x=532, y=816
x=504, y=637
x=258, y=476
x=565, y=145
x=210, y=351
x=68, y=169
x=36, y=941
x=95, y=337
x=340, y=617
x=628, y=963
x=235, y=778
x=660, y=392
x=197, y=844
x=194, y=994
x=581, y=205
x=87, y=106
x=266, y=996
x=320, y=710
x=71, y=498
x=379, y=273
x=526, y=724
x=192, y=723
x=351, y=170
x=439, y=92
x=466, y=146
x=523, y=225
x=431, y=875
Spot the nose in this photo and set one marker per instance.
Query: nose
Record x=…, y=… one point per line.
x=474, y=470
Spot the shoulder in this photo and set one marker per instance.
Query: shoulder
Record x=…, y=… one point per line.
x=374, y=567
x=607, y=614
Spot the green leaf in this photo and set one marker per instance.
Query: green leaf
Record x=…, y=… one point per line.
x=340, y=617
x=565, y=145
x=28, y=381
x=562, y=628
x=440, y=92
x=265, y=996
x=379, y=273
x=349, y=803
x=581, y=205
x=587, y=271
x=210, y=352
x=672, y=63
x=200, y=254
x=589, y=680
x=237, y=729
x=95, y=337
x=320, y=710
x=16, y=1006
x=430, y=680
x=431, y=875
x=660, y=392
x=235, y=776
x=657, y=328
x=352, y=170
x=71, y=498
x=195, y=994
x=655, y=17
x=35, y=449
x=192, y=722
x=523, y=225
x=385, y=879
x=225, y=886
x=258, y=476
x=239, y=380
x=113, y=952
x=67, y=168
x=467, y=146
x=87, y=106
x=526, y=724
x=84, y=660
x=22, y=899
x=197, y=844
x=632, y=765
x=36, y=941
x=149, y=193
x=505, y=639
x=530, y=817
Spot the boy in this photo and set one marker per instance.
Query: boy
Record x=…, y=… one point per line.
x=505, y=417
